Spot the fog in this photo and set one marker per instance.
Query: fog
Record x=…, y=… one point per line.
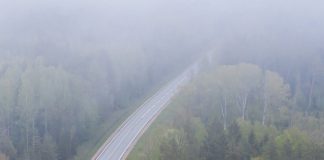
x=109, y=23
x=85, y=63
x=185, y=24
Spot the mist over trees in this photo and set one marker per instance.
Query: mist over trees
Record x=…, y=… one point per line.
x=64, y=72
x=49, y=107
x=68, y=67
x=225, y=115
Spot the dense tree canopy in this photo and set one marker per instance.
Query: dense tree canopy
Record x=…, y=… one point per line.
x=244, y=113
x=48, y=108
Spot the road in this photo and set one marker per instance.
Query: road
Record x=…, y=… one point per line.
x=125, y=137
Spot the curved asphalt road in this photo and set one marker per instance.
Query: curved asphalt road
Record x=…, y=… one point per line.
x=124, y=138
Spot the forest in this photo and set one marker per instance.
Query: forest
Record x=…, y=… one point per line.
x=48, y=110
x=71, y=71
x=242, y=112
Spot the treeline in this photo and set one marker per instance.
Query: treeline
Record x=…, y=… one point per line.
x=302, y=66
x=45, y=111
x=235, y=112
x=253, y=141
x=48, y=107
x=244, y=90
x=69, y=73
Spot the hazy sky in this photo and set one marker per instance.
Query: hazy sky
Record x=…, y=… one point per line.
x=192, y=22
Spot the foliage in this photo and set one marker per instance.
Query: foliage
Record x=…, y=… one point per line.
x=49, y=108
x=270, y=128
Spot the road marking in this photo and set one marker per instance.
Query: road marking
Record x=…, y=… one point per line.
x=150, y=109
x=123, y=137
x=136, y=121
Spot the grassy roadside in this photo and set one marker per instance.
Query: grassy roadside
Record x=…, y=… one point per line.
x=146, y=147
x=88, y=149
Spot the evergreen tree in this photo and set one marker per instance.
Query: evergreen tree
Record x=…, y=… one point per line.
x=287, y=153
x=215, y=146
x=270, y=151
x=234, y=145
x=253, y=144
x=171, y=150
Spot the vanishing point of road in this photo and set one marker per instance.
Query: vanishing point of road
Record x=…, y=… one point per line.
x=120, y=143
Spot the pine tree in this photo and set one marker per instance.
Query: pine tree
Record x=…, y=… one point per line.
x=287, y=150
x=215, y=146
x=234, y=145
x=253, y=144
x=170, y=150
x=270, y=151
